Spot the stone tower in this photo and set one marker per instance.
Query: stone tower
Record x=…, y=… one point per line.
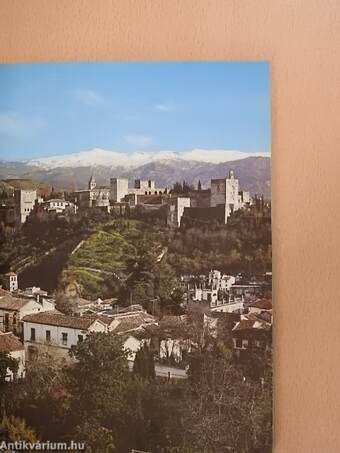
x=224, y=191
x=92, y=183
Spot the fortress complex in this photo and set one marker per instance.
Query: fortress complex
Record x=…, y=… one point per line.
x=93, y=196
x=218, y=202
x=120, y=190
x=224, y=197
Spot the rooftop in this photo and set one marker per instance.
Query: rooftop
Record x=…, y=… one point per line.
x=264, y=304
x=55, y=318
x=132, y=322
x=9, y=342
x=249, y=324
x=9, y=302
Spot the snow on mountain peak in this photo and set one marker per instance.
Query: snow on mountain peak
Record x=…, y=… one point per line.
x=101, y=157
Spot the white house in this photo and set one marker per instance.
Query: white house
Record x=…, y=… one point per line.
x=12, y=345
x=218, y=281
x=59, y=205
x=12, y=311
x=57, y=332
x=206, y=295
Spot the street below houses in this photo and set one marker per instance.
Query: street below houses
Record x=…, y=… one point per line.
x=164, y=370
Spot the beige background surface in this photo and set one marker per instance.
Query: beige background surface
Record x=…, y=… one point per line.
x=302, y=40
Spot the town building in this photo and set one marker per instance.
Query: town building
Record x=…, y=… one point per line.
x=130, y=319
x=218, y=281
x=251, y=333
x=36, y=293
x=11, y=345
x=56, y=333
x=59, y=205
x=24, y=201
x=10, y=281
x=93, y=196
x=214, y=291
x=14, y=309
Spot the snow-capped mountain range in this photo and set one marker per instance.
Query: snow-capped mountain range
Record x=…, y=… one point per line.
x=100, y=157
x=72, y=171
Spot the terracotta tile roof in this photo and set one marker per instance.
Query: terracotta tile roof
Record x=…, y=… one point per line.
x=264, y=304
x=53, y=318
x=9, y=302
x=129, y=323
x=9, y=342
x=4, y=292
x=250, y=324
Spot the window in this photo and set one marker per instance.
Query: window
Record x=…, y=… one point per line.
x=32, y=334
x=64, y=338
x=80, y=338
x=48, y=336
x=238, y=342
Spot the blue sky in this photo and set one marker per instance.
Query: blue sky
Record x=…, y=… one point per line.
x=49, y=109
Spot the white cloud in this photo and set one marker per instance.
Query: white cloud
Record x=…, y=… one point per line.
x=138, y=140
x=89, y=97
x=164, y=107
x=17, y=126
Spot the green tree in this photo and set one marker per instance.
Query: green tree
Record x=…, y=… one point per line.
x=15, y=429
x=97, y=383
x=42, y=397
x=228, y=412
x=8, y=364
x=144, y=365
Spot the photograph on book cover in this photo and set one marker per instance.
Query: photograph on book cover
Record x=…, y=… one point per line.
x=135, y=262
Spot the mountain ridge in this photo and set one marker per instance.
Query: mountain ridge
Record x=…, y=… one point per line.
x=102, y=157
x=253, y=173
